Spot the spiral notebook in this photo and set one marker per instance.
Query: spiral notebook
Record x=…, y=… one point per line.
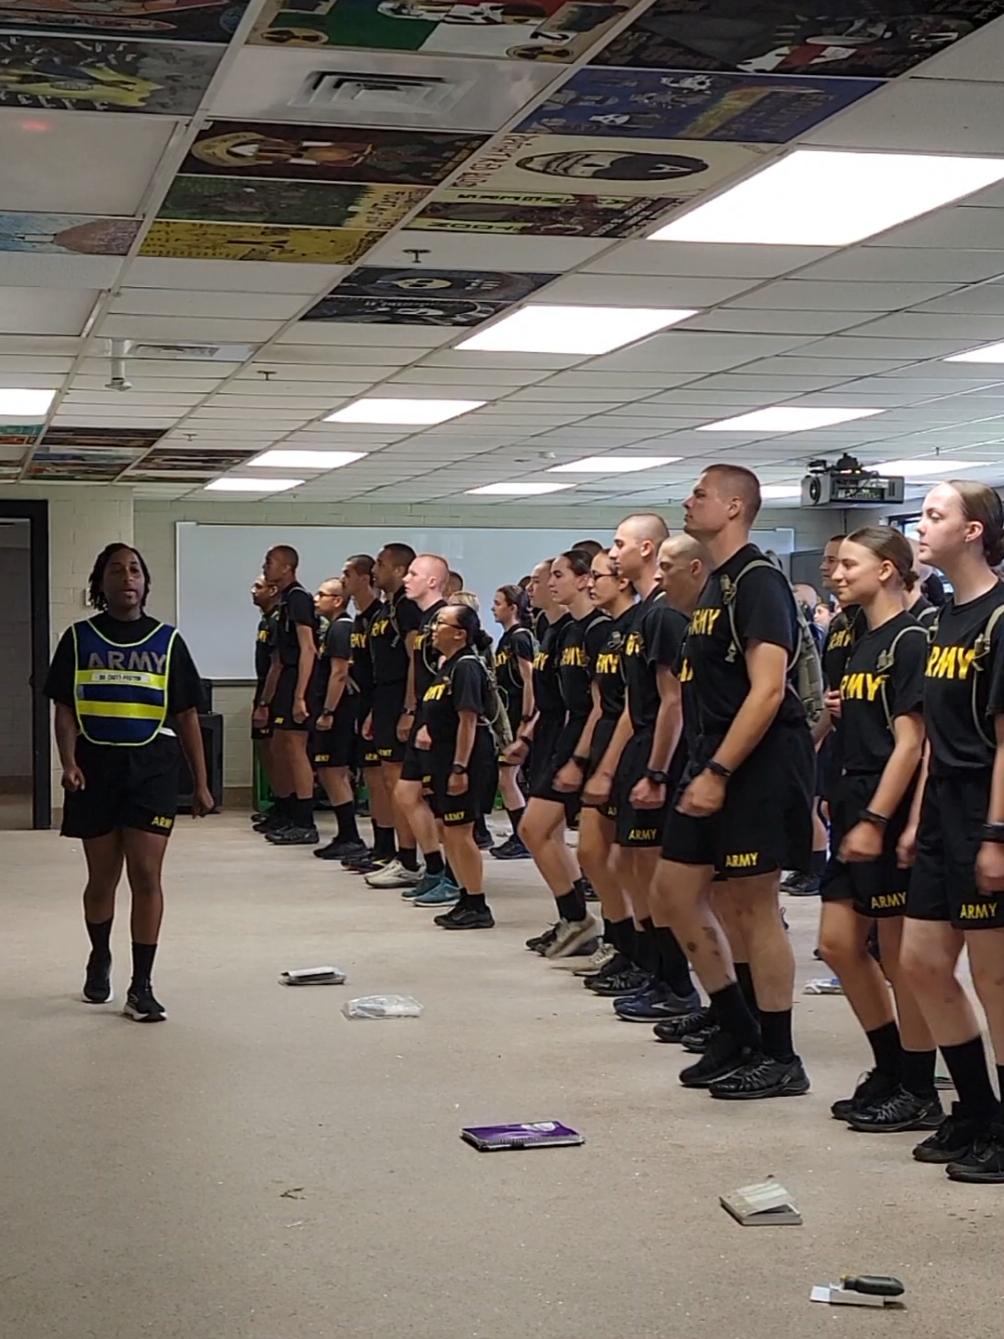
x=538, y=1134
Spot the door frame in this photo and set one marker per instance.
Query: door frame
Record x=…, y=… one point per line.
x=37, y=516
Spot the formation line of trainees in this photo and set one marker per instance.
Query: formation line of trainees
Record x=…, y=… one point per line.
x=669, y=698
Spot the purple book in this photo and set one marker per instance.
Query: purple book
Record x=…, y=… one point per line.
x=538, y=1134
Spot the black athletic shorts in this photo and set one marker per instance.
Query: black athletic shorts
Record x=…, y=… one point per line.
x=602, y=735
x=563, y=747
x=455, y=811
x=124, y=788
x=637, y=827
x=943, y=878
x=876, y=887
x=417, y=764
x=388, y=704
x=765, y=823
x=336, y=747
x=281, y=714
x=366, y=750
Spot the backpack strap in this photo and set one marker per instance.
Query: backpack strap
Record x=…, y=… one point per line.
x=886, y=663
x=981, y=654
x=730, y=590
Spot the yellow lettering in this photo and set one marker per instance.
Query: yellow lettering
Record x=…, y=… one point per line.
x=977, y=911
x=161, y=822
x=575, y=657
x=454, y=818
x=703, y=622
x=633, y=646
x=686, y=672
x=608, y=662
x=434, y=692
x=643, y=834
x=540, y=660
x=888, y=901
x=741, y=860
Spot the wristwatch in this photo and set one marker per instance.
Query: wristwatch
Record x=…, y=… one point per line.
x=870, y=816
x=993, y=832
x=718, y=768
x=654, y=774
x=580, y=760
x=459, y=769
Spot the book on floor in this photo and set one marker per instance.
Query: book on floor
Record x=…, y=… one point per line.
x=536, y=1134
x=766, y=1204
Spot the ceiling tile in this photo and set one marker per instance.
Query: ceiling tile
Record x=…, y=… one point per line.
x=889, y=264
x=695, y=351
x=41, y=157
x=640, y=291
x=232, y=276
x=474, y=251
x=186, y=302
x=920, y=116
x=821, y=295
x=193, y=330
x=24, y=269
x=45, y=311
x=705, y=260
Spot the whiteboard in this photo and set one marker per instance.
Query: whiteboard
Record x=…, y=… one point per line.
x=216, y=565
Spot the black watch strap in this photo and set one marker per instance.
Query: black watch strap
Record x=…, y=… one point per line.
x=656, y=775
x=719, y=769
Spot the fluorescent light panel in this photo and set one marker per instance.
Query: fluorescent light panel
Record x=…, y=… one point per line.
x=989, y=353
x=815, y=197
x=21, y=406
x=613, y=464
x=306, y=460
x=916, y=469
x=518, y=489
x=787, y=418
x=239, y=484
x=567, y=329
x=417, y=412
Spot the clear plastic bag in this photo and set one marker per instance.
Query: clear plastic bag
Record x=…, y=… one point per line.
x=383, y=1006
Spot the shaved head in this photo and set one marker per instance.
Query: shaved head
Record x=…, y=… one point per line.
x=635, y=550
x=735, y=483
x=647, y=525
x=426, y=579
x=684, y=567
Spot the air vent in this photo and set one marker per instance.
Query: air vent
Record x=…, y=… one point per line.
x=219, y=353
x=380, y=94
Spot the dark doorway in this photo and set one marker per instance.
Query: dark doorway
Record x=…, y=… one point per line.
x=25, y=758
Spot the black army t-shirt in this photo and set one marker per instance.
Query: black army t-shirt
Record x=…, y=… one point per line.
x=514, y=645
x=546, y=692
x=846, y=626
x=263, y=644
x=580, y=644
x=460, y=685
x=184, y=687
x=872, y=686
x=426, y=655
x=953, y=725
x=397, y=617
x=335, y=645
x=764, y=611
x=609, y=672
x=362, y=661
x=296, y=610
x=656, y=638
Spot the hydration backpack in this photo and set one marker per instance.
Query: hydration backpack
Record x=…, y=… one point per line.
x=805, y=667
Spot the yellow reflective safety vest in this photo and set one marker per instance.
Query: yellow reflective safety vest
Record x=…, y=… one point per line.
x=120, y=692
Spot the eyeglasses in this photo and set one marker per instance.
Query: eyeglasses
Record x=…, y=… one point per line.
x=596, y=576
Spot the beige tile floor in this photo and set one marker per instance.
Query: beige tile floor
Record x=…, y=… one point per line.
x=260, y=1168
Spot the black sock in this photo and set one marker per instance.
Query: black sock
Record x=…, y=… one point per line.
x=384, y=843
x=622, y=937
x=918, y=1072
x=142, y=963
x=481, y=827
x=674, y=968
x=967, y=1064
x=732, y=1015
x=572, y=905
x=887, y=1050
x=408, y=856
x=433, y=862
x=477, y=901
x=303, y=813
x=609, y=931
x=449, y=874
x=775, y=1029
x=515, y=818
x=99, y=933
x=283, y=807
x=817, y=863
x=745, y=978
x=346, y=816
x=647, y=954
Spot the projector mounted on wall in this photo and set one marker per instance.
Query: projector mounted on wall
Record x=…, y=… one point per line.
x=847, y=484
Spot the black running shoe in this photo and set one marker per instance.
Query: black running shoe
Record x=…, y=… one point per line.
x=901, y=1111
x=294, y=836
x=684, y=1025
x=696, y=1043
x=628, y=982
x=984, y=1163
x=762, y=1076
x=340, y=850
x=513, y=849
x=463, y=916
x=484, y=841
x=271, y=822
x=590, y=892
x=141, y=1006
x=98, y=981
x=801, y=885
x=723, y=1057
x=657, y=1003
x=952, y=1140
x=538, y=943
x=873, y=1088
